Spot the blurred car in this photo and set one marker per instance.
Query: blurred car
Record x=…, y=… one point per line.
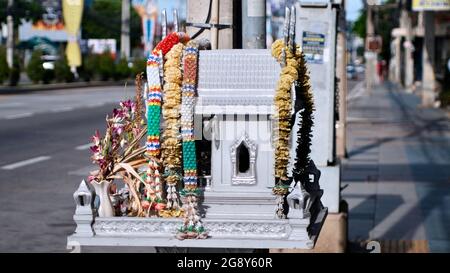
x=360, y=68
x=351, y=72
x=48, y=61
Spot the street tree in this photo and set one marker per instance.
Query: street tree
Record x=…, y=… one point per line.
x=386, y=19
x=102, y=20
x=22, y=9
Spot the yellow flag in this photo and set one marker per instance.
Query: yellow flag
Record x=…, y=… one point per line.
x=73, y=12
x=73, y=54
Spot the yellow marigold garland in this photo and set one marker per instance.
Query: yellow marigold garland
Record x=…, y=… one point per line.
x=282, y=130
x=171, y=138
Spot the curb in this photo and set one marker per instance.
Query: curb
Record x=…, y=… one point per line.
x=8, y=90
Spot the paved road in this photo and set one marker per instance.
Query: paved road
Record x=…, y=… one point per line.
x=44, y=139
x=398, y=170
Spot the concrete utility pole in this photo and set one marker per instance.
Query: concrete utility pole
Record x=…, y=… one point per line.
x=370, y=56
x=396, y=76
x=253, y=24
x=428, y=75
x=408, y=45
x=10, y=38
x=215, y=21
x=125, y=30
x=217, y=28
x=341, y=73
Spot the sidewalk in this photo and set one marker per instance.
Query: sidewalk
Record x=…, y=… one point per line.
x=398, y=172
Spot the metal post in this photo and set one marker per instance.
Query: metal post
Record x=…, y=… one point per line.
x=253, y=24
x=163, y=24
x=10, y=38
x=125, y=30
x=176, y=27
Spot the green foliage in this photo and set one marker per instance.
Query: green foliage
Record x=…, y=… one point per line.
x=62, y=71
x=35, y=70
x=384, y=21
x=103, y=20
x=48, y=76
x=360, y=51
x=122, y=71
x=139, y=66
x=22, y=9
x=359, y=26
x=89, y=68
x=106, y=67
x=4, y=68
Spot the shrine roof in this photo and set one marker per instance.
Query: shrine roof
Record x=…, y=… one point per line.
x=237, y=77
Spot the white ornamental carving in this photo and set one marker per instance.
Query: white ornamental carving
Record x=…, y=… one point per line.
x=146, y=228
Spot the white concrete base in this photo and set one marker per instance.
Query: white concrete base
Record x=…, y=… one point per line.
x=223, y=233
x=251, y=205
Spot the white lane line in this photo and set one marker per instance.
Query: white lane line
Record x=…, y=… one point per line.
x=62, y=109
x=25, y=162
x=21, y=115
x=83, y=171
x=93, y=105
x=83, y=147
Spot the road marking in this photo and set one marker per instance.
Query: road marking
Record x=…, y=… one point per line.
x=62, y=109
x=98, y=104
x=83, y=147
x=25, y=162
x=84, y=171
x=12, y=104
x=21, y=115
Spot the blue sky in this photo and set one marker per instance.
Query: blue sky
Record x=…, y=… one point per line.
x=170, y=4
x=353, y=7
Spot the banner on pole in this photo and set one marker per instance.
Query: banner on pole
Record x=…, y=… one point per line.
x=148, y=11
x=432, y=5
x=72, y=12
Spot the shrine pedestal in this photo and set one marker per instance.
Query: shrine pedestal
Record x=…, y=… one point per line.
x=223, y=233
x=228, y=226
x=239, y=205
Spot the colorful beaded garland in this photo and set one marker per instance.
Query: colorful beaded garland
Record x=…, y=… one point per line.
x=154, y=97
x=192, y=226
x=153, y=103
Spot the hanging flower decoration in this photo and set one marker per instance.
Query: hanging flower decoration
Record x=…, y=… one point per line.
x=303, y=94
x=153, y=178
x=171, y=138
x=282, y=130
x=192, y=226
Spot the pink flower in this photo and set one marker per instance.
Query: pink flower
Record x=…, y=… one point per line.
x=96, y=137
x=160, y=206
x=145, y=204
x=95, y=149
